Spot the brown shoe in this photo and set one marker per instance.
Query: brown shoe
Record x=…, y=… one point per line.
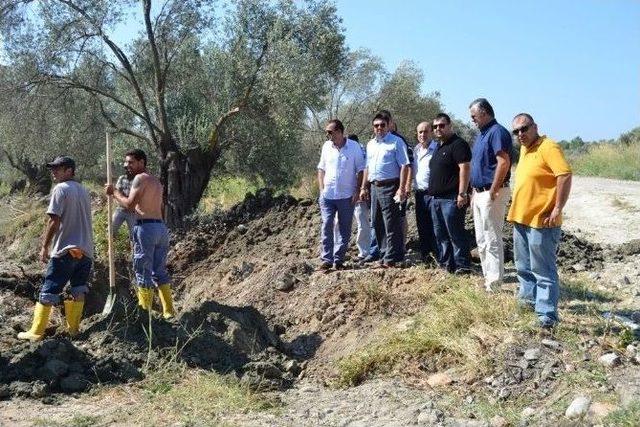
x=325, y=266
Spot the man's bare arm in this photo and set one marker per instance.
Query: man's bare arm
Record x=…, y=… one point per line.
x=463, y=185
x=49, y=231
x=502, y=167
x=134, y=195
x=320, y=180
x=563, y=188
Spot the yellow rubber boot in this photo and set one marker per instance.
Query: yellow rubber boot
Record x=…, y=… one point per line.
x=145, y=298
x=167, y=301
x=73, y=315
x=40, y=320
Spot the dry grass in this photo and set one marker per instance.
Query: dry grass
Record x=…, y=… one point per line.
x=458, y=324
x=22, y=220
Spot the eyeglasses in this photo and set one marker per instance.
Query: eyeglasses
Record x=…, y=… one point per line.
x=329, y=132
x=523, y=129
x=438, y=126
x=380, y=125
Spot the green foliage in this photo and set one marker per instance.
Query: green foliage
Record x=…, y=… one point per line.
x=610, y=161
x=225, y=191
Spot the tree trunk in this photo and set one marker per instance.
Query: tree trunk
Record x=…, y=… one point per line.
x=185, y=177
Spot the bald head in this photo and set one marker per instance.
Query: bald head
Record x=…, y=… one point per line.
x=423, y=130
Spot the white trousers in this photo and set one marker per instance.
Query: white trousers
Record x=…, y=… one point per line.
x=363, y=236
x=488, y=220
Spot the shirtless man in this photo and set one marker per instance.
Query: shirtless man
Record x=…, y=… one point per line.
x=150, y=234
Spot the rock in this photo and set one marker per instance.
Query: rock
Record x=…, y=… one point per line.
x=578, y=407
x=609, y=360
x=504, y=393
x=439, y=379
x=242, y=229
x=631, y=350
x=637, y=358
x=599, y=410
x=528, y=412
x=430, y=417
x=579, y=267
x=20, y=388
x=74, y=383
x=532, y=354
x=292, y=367
x=498, y=421
x=625, y=280
x=555, y=345
x=286, y=283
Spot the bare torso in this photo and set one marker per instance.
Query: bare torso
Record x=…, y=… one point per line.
x=149, y=199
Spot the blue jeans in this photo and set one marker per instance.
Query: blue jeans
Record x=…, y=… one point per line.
x=150, y=248
x=534, y=250
x=328, y=209
x=387, y=220
x=424, y=223
x=62, y=270
x=448, y=226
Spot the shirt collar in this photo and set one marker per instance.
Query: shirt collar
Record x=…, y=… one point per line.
x=488, y=125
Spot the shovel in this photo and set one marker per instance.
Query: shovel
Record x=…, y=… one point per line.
x=111, y=298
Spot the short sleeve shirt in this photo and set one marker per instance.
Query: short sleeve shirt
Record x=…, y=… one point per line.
x=385, y=157
x=534, y=192
x=341, y=166
x=70, y=201
x=444, y=172
x=422, y=157
x=491, y=139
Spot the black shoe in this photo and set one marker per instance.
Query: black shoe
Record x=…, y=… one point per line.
x=339, y=266
x=463, y=272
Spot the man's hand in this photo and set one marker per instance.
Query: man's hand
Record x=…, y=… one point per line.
x=44, y=255
x=401, y=194
x=108, y=189
x=364, y=194
x=552, y=219
x=461, y=201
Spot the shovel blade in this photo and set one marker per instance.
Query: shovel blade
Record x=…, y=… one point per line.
x=110, y=302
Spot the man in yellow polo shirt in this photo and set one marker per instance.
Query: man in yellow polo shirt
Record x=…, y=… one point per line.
x=542, y=186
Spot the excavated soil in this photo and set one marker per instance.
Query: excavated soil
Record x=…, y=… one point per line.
x=250, y=301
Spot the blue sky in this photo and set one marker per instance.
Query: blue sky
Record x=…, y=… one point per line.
x=574, y=65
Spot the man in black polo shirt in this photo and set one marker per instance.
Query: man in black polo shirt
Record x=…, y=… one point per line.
x=448, y=184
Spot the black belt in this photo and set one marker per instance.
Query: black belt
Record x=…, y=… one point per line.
x=147, y=221
x=488, y=187
x=385, y=182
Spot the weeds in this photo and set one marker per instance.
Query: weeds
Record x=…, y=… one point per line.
x=626, y=417
x=458, y=325
x=610, y=161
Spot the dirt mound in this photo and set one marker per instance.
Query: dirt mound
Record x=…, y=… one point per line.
x=249, y=298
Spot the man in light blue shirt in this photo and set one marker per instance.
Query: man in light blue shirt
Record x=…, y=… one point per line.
x=422, y=154
x=339, y=178
x=384, y=184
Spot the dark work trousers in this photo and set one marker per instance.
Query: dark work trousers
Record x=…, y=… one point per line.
x=425, y=224
x=448, y=225
x=387, y=221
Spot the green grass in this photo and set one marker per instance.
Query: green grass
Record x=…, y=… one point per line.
x=610, y=161
x=75, y=421
x=457, y=326
x=121, y=245
x=625, y=417
x=224, y=192
x=22, y=221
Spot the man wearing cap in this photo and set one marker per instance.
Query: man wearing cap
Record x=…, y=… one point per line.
x=150, y=234
x=490, y=174
x=384, y=184
x=542, y=186
x=67, y=248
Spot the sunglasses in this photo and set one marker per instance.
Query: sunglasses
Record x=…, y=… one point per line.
x=380, y=125
x=329, y=132
x=523, y=129
x=438, y=126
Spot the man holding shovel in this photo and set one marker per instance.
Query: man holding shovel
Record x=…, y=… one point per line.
x=67, y=248
x=150, y=234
